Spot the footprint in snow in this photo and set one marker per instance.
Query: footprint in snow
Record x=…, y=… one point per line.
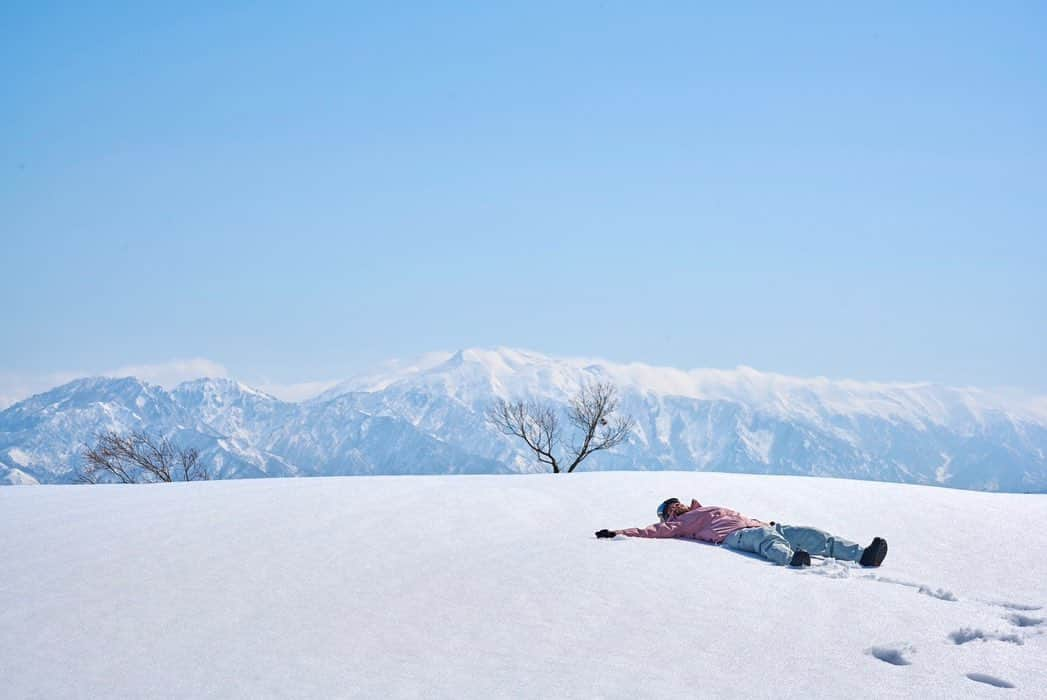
x=990, y=680
x=969, y=634
x=830, y=568
x=1019, y=620
x=894, y=654
x=1015, y=606
x=939, y=593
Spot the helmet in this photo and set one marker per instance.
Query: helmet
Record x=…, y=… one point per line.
x=663, y=509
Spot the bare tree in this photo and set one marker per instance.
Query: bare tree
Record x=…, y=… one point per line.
x=139, y=458
x=591, y=414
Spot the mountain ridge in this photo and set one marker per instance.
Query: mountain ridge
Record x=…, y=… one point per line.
x=426, y=416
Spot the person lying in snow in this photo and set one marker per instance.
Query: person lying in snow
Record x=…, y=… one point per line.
x=781, y=544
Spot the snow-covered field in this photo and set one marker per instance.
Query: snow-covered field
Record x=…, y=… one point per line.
x=480, y=586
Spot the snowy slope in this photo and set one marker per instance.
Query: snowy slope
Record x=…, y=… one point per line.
x=231, y=408
x=426, y=416
x=476, y=586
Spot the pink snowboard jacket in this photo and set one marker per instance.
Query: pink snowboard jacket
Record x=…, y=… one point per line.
x=706, y=523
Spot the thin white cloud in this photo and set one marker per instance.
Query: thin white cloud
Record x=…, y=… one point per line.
x=170, y=374
x=295, y=392
x=16, y=387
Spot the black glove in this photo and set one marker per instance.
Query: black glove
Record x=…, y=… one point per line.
x=605, y=533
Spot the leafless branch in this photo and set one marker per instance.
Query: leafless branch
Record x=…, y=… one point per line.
x=536, y=425
x=138, y=458
x=590, y=413
x=191, y=469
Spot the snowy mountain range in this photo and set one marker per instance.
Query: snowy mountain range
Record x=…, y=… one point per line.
x=427, y=417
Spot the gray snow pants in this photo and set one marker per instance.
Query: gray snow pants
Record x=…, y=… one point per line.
x=778, y=542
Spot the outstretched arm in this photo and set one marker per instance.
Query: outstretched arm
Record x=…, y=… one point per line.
x=656, y=530
x=660, y=530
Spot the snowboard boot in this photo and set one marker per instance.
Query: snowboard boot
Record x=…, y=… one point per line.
x=800, y=559
x=874, y=553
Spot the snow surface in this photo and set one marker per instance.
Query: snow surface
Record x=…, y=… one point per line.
x=19, y=457
x=494, y=586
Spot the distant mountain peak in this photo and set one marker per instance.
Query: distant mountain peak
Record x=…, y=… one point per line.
x=509, y=372
x=221, y=386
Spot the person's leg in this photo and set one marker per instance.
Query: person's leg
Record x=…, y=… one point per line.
x=819, y=542
x=765, y=541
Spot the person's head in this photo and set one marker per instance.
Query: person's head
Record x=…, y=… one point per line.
x=669, y=508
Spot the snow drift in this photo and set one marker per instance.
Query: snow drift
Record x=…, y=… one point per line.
x=475, y=586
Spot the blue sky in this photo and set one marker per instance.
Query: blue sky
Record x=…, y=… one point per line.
x=296, y=192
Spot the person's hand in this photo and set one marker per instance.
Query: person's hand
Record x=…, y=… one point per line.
x=605, y=533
